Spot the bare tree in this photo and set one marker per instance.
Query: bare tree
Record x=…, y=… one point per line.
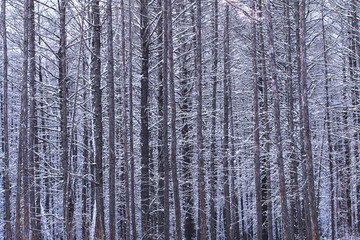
x=173, y=162
x=266, y=203
x=131, y=127
x=288, y=233
x=213, y=172
x=199, y=125
x=22, y=164
x=328, y=123
x=144, y=114
x=259, y=220
x=226, y=182
x=96, y=90
x=5, y=113
x=111, y=100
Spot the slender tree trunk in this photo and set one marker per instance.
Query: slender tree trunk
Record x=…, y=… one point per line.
x=288, y=233
x=264, y=118
x=306, y=229
x=125, y=120
x=187, y=128
x=145, y=133
x=22, y=164
x=174, y=169
x=295, y=209
x=131, y=127
x=345, y=172
x=159, y=221
x=259, y=220
x=226, y=181
x=165, y=145
x=33, y=131
x=111, y=101
x=199, y=126
x=306, y=124
x=328, y=125
x=85, y=173
x=96, y=89
x=63, y=85
x=355, y=38
x=5, y=112
x=213, y=165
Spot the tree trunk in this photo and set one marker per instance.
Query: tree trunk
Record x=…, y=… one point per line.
x=226, y=181
x=144, y=114
x=306, y=124
x=111, y=112
x=259, y=220
x=306, y=229
x=5, y=113
x=33, y=132
x=187, y=129
x=288, y=233
x=295, y=209
x=213, y=165
x=63, y=85
x=96, y=89
x=131, y=127
x=199, y=126
x=266, y=203
x=22, y=164
x=173, y=166
x=328, y=125
x=165, y=145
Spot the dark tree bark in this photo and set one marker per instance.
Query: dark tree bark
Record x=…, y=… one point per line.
x=159, y=221
x=131, y=127
x=5, y=113
x=214, y=79
x=328, y=124
x=85, y=173
x=187, y=127
x=33, y=132
x=173, y=158
x=295, y=209
x=287, y=229
x=259, y=216
x=111, y=112
x=96, y=90
x=22, y=189
x=124, y=123
x=306, y=124
x=343, y=176
x=144, y=114
x=226, y=182
x=355, y=38
x=165, y=145
x=199, y=125
x=265, y=174
x=306, y=229
x=63, y=85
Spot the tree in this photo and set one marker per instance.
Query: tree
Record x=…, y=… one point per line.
x=5, y=113
x=111, y=100
x=199, y=126
x=96, y=91
x=288, y=233
x=306, y=124
x=22, y=189
x=213, y=172
x=259, y=220
x=145, y=133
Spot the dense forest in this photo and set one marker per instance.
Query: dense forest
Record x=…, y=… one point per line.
x=184, y=119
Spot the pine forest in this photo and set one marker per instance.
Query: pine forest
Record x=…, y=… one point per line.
x=180, y=119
